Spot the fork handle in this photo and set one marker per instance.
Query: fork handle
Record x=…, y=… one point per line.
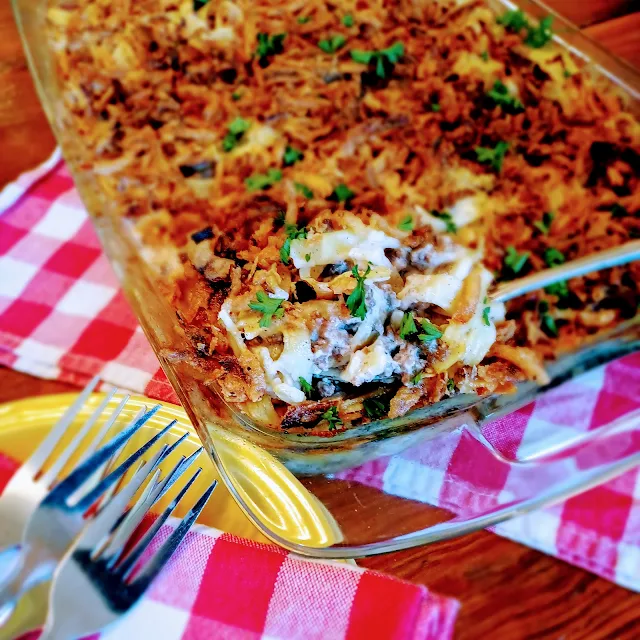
x=32, y=567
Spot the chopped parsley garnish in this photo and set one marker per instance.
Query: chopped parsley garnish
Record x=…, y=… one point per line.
x=567, y=74
x=332, y=44
x=544, y=225
x=235, y=131
x=259, y=181
x=375, y=408
x=494, y=157
x=513, y=20
x=268, y=307
x=445, y=216
x=485, y=316
x=406, y=224
x=356, y=302
x=547, y=321
x=303, y=190
x=485, y=56
x=293, y=233
x=560, y=289
x=514, y=261
x=538, y=36
x=501, y=96
x=430, y=331
x=417, y=379
x=331, y=416
x=307, y=389
x=342, y=193
x=408, y=325
x=435, y=107
x=303, y=19
x=235, y=96
x=292, y=155
x=347, y=21
x=553, y=257
x=385, y=59
x=269, y=46
x=307, y=257
x=198, y=4
x=618, y=211
x=451, y=385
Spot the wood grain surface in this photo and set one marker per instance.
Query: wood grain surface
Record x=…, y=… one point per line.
x=507, y=591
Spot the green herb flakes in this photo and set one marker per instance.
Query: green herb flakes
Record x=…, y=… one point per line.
x=198, y=4
x=332, y=44
x=445, y=216
x=235, y=130
x=417, y=379
x=307, y=257
x=544, y=225
x=306, y=387
x=356, y=302
x=538, y=36
x=513, y=20
x=429, y=332
x=342, y=193
x=384, y=59
x=435, y=107
x=407, y=325
x=501, y=96
x=514, y=261
x=485, y=316
x=262, y=181
x=406, y=224
x=560, y=289
x=291, y=156
x=547, y=321
x=303, y=190
x=347, y=21
x=269, y=46
x=494, y=156
x=375, y=408
x=553, y=257
x=451, y=385
x=485, y=56
x=303, y=19
x=331, y=416
x=268, y=307
x=293, y=233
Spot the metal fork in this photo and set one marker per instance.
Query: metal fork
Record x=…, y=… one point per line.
x=58, y=518
x=93, y=587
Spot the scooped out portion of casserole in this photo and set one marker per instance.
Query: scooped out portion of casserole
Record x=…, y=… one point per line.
x=329, y=191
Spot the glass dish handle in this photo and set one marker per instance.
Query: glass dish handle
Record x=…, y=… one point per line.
x=534, y=482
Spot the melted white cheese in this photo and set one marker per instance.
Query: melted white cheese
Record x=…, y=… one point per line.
x=295, y=362
x=369, y=363
x=363, y=245
x=436, y=288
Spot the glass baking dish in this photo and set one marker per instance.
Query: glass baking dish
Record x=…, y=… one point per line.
x=315, y=514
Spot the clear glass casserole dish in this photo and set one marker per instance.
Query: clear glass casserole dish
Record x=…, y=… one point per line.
x=314, y=521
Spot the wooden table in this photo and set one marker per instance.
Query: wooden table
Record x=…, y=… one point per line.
x=506, y=590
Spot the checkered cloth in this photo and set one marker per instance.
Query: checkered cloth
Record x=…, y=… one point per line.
x=221, y=586
x=63, y=316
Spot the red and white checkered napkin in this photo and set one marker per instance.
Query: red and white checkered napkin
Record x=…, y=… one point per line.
x=62, y=315
x=221, y=586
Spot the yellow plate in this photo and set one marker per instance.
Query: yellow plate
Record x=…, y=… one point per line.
x=25, y=423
